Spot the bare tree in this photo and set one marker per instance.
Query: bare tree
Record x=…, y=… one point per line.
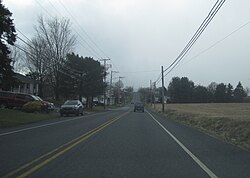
x=18, y=59
x=49, y=48
x=37, y=61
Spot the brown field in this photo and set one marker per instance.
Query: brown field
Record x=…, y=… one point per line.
x=236, y=111
x=229, y=121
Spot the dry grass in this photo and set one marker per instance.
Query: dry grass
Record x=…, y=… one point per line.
x=236, y=111
x=12, y=117
x=229, y=121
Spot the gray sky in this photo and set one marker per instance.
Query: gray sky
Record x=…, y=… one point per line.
x=142, y=35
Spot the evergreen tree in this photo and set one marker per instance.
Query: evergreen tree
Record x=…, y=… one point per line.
x=8, y=36
x=200, y=94
x=229, y=93
x=220, y=93
x=82, y=77
x=239, y=93
x=181, y=90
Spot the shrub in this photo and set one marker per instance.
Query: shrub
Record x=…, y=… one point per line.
x=32, y=106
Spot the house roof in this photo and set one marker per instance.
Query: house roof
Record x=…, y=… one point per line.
x=24, y=79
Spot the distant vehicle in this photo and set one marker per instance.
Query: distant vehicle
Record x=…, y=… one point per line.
x=13, y=99
x=138, y=106
x=71, y=107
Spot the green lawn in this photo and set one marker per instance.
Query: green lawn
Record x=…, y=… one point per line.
x=11, y=117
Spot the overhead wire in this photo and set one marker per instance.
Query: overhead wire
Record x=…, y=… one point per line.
x=219, y=41
x=89, y=49
x=28, y=53
x=84, y=31
x=197, y=34
x=68, y=68
x=194, y=38
x=97, y=54
x=179, y=60
x=44, y=55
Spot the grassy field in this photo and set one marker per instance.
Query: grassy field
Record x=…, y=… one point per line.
x=229, y=121
x=11, y=117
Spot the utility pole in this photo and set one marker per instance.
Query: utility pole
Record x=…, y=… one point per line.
x=154, y=93
x=163, y=88
x=120, y=88
x=80, y=87
x=151, y=93
x=111, y=80
x=104, y=95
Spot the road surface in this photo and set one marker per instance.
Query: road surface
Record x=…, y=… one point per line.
x=117, y=143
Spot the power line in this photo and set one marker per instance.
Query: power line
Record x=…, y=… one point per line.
x=44, y=8
x=68, y=68
x=98, y=56
x=194, y=38
x=82, y=29
x=208, y=19
x=28, y=53
x=219, y=41
x=134, y=72
x=198, y=32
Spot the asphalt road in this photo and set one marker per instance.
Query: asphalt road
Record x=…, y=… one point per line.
x=117, y=143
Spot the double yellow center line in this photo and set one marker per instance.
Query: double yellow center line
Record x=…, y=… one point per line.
x=39, y=162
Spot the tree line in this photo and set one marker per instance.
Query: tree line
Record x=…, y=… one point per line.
x=49, y=58
x=184, y=90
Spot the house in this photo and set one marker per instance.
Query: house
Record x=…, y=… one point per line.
x=25, y=84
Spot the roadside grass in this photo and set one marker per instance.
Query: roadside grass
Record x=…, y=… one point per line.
x=228, y=121
x=12, y=117
x=95, y=109
x=100, y=108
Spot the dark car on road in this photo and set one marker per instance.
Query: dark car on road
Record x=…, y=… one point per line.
x=71, y=107
x=138, y=106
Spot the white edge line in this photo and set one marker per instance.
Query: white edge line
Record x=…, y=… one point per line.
x=45, y=125
x=202, y=165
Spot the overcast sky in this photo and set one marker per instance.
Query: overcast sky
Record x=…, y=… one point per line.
x=140, y=36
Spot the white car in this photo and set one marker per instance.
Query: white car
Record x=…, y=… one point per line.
x=71, y=107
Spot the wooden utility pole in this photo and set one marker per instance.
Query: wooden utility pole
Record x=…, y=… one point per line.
x=80, y=88
x=111, y=80
x=151, y=93
x=119, y=91
x=154, y=93
x=163, y=88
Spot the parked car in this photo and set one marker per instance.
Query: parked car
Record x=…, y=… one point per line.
x=13, y=99
x=138, y=106
x=71, y=107
x=49, y=106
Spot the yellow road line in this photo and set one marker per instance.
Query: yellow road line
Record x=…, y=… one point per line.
x=51, y=152
x=68, y=146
